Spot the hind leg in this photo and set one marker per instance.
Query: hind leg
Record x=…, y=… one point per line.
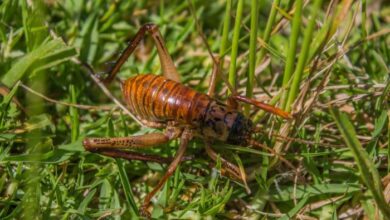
x=184, y=140
x=118, y=146
x=167, y=65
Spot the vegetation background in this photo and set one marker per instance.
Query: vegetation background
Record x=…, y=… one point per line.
x=325, y=61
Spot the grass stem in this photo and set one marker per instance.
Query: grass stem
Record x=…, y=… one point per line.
x=252, y=52
x=302, y=60
x=236, y=36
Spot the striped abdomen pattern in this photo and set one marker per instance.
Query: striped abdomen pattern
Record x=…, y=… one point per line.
x=158, y=99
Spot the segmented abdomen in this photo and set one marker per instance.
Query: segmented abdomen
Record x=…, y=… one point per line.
x=158, y=99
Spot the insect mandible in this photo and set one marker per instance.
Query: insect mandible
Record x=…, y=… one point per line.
x=161, y=101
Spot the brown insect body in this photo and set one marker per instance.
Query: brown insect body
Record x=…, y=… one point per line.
x=162, y=101
x=157, y=99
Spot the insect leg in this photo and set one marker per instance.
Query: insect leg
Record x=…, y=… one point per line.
x=185, y=138
x=262, y=105
x=271, y=150
x=128, y=155
x=217, y=74
x=214, y=77
x=115, y=147
x=231, y=169
x=167, y=65
x=133, y=142
x=232, y=103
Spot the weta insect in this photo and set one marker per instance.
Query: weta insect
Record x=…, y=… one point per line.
x=163, y=102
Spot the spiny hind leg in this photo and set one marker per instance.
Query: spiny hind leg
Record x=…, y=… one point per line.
x=184, y=140
x=168, y=67
x=132, y=142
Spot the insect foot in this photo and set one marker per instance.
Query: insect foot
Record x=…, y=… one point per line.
x=143, y=210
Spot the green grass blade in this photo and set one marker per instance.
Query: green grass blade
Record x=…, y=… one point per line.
x=34, y=27
x=388, y=144
x=364, y=19
x=296, y=209
x=292, y=48
x=293, y=93
x=35, y=145
x=234, y=52
x=289, y=193
x=268, y=28
x=127, y=187
x=4, y=105
x=368, y=172
x=252, y=52
x=89, y=40
x=33, y=60
x=225, y=30
x=74, y=114
x=88, y=199
x=125, y=182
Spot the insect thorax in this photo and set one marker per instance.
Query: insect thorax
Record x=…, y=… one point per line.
x=224, y=124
